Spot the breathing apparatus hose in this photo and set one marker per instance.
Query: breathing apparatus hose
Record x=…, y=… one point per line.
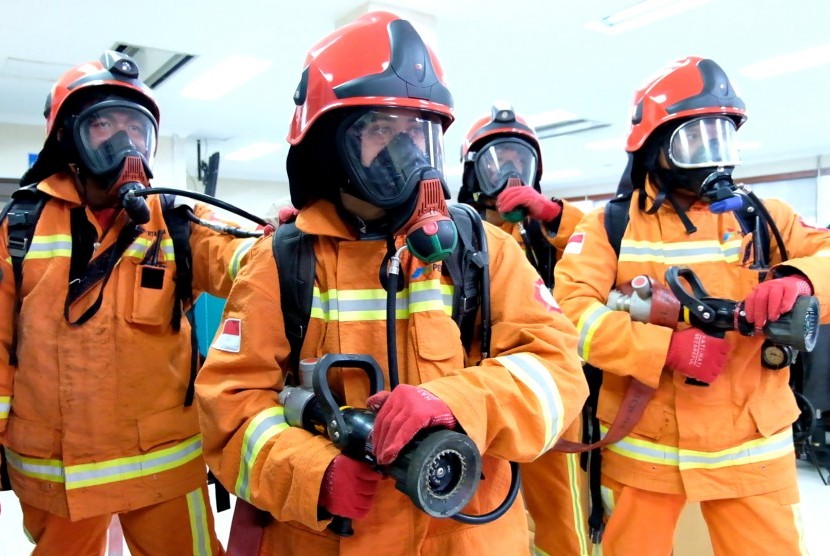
x=391, y=342
x=238, y=232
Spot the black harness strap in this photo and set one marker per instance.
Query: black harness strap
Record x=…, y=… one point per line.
x=22, y=214
x=99, y=270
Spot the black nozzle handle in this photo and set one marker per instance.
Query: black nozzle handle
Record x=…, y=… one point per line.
x=341, y=526
x=335, y=422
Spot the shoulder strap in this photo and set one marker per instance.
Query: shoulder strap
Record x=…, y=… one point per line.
x=616, y=219
x=751, y=222
x=178, y=225
x=467, y=266
x=294, y=255
x=21, y=213
x=538, y=249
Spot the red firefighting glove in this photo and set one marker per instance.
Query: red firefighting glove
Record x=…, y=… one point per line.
x=287, y=214
x=697, y=355
x=400, y=415
x=538, y=206
x=348, y=487
x=770, y=299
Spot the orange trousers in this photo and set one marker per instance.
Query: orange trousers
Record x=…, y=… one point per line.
x=643, y=522
x=555, y=489
x=177, y=527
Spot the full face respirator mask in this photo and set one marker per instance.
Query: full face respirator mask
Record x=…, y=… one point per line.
x=393, y=159
x=116, y=143
x=701, y=154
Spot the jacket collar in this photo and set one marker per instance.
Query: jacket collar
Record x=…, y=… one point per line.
x=61, y=186
x=320, y=218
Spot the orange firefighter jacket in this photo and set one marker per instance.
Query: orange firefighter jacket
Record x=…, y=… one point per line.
x=733, y=438
x=514, y=405
x=92, y=418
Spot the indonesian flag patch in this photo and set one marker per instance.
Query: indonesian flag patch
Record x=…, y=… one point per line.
x=230, y=338
x=543, y=295
x=575, y=243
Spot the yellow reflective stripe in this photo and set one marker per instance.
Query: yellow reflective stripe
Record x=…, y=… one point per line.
x=238, y=254
x=752, y=451
x=36, y=468
x=138, y=248
x=533, y=374
x=587, y=326
x=609, y=503
x=685, y=252
x=197, y=510
x=5, y=406
x=167, y=249
x=761, y=449
x=370, y=304
x=262, y=428
x=539, y=552
x=132, y=467
x=799, y=527
x=50, y=246
x=580, y=520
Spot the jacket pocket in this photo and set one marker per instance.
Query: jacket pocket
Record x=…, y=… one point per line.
x=437, y=345
x=773, y=411
x=436, y=336
x=28, y=438
x=153, y=296
x=164, y=427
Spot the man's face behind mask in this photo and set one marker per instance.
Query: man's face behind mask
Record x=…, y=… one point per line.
x=106, y=133
x=704, y=142
x=387, y=150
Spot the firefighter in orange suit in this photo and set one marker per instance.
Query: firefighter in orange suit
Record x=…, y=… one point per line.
x=502, y=173
x=366, y=141
x=727, y=445
x=96, y=413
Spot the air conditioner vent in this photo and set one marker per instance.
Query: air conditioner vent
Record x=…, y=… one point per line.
x=155, y=65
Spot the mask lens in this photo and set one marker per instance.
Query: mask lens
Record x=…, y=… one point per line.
x=385, y=148
x=502, y=159
x=704, y=142
x=107, y=132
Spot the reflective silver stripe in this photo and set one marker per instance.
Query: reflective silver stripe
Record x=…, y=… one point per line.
x=687, y=252
x=167, y=249
x=533, y=374
x=44, y=469
x=822, y=253
x=762, y=449
x=107, y=472
x=122, y=469
x=587, y=325
x=5, y=406
x=370, y=304
x=238, y=254
x=138, y=248
x=197, y=509
x=263, y=427
x=753, y=451
x=51, y=246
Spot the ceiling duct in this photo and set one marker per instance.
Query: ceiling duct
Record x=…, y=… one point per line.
x=155, y=65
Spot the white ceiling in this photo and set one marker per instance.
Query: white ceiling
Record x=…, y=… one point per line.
x=535, y=53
